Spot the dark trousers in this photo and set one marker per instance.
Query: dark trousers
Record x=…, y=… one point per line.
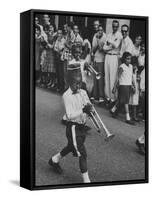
x=60, y=73
x=76, y=137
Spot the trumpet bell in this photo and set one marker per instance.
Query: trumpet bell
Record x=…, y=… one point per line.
x=92, y=70
x=98, y=76
x=109, y=137
x=95, y=118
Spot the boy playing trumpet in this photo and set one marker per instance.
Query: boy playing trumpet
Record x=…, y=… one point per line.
x=77, y=106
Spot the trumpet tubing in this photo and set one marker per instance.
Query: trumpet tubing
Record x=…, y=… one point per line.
x=97, y=122
x=92, y=70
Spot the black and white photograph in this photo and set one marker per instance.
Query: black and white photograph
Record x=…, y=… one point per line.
x=90, y=99
x=76, y=95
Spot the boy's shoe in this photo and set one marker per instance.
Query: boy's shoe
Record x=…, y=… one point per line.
x=111, y=104
x=50, y=84
x=135, y=119
x=101, y=100
x=113, y=114
x=92, y=99
x=56, y=167
x=130, y=122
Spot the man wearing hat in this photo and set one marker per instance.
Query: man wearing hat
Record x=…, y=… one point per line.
x=77, y=106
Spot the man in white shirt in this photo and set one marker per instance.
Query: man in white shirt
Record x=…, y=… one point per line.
x=98, y=42
x=77, y=105
x=112, y=49
x=126, y=44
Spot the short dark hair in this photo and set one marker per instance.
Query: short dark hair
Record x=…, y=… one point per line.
x=125, y=25
x=70, y=24
x=100, y=26
x=97, y=20
x=75, y=25
x=125, y=55
x=59, y=29
x=115, y=21
x=138, y=35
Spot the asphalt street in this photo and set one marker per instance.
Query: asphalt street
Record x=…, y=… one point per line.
x=116, y=160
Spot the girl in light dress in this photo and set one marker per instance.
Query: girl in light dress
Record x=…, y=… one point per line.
x=52, y=35
x=124, y=83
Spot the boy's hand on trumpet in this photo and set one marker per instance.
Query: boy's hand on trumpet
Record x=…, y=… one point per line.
x=88, y=109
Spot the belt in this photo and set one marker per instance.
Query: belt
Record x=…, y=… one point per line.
x=81, y=126
x=113, y=54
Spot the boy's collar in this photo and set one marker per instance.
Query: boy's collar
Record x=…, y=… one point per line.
x=72, y=92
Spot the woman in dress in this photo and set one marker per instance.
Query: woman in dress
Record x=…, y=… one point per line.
x=136, y=47
x=47, y=63
x=50, y=56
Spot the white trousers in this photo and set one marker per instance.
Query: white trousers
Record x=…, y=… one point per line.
x=111, y=68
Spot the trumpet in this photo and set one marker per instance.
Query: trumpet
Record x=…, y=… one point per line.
x=92, y=70
x=97, y=122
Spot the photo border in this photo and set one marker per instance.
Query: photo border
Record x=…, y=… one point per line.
x=33, y=185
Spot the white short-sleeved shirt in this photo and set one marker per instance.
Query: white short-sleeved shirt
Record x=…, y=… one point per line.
x=126, y=45
x=115, y=39
x=127, y=74
x=74, y=104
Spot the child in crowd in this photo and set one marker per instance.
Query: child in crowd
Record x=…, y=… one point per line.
x=124, y=83
x=134, y=96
